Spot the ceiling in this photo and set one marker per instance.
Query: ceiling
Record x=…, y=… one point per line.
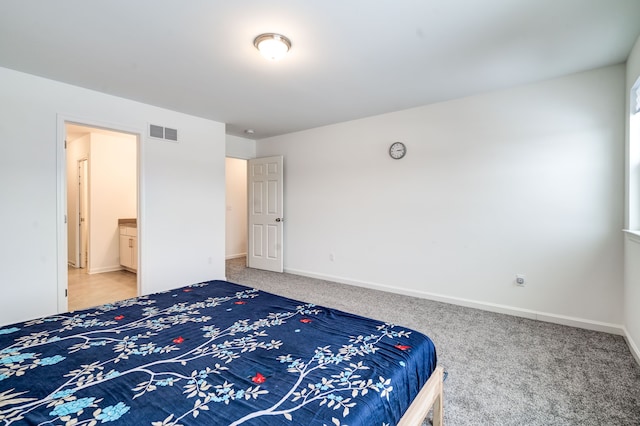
x=349, y=59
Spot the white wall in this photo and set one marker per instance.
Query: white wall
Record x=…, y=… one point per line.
x=182, y=184
x=113, y=196
x=526, y=180
x=632, y=242
x=238, y=147
x=236, y=223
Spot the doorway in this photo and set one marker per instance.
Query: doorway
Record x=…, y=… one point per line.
x=102, y=190
x=236, y=208
x=254, y=222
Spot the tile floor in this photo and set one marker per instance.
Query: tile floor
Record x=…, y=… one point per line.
x=86, y=291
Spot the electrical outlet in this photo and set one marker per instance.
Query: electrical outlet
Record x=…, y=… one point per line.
x=521, y=280
x=332, y=257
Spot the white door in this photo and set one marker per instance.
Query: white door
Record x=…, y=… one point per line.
x=83, y=201
x=264, y=179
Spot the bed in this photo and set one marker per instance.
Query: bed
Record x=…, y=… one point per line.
x=216, y=353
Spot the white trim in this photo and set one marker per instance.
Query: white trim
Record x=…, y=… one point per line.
x=61, y=196
x=632, y=345
x=61, y=213
x=235, y=256
x=633, y=236
x=635, y=97
x=78, y=243
x=92, y=271
x=485, y=306
x=240, y=157
x=141, y=222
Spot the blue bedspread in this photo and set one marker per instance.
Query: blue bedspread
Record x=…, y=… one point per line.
x=214, y=353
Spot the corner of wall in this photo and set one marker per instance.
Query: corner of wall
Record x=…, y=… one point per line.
x=635, y=351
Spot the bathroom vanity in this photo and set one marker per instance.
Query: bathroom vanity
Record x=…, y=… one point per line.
x=129, y=244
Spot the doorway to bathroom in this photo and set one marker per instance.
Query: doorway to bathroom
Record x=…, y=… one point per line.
x=102, y=196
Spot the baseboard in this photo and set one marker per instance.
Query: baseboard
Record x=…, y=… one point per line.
x=485, y=306
x=632, y=345
x=104, y=269
x=235, y=256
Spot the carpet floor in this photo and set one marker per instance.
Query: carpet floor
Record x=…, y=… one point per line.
x=502, y=370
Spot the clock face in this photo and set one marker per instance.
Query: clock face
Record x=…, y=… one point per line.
x=397, y=150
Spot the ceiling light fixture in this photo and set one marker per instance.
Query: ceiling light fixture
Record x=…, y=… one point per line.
x=272, y=46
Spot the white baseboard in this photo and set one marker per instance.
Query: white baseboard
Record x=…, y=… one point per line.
x=104, y=269
x=235, y=256
x=632, y=345
x=485, y=306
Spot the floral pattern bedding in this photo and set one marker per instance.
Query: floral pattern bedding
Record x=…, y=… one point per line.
x=214, y=353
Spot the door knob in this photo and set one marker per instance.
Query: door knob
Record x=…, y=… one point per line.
x=279, y=219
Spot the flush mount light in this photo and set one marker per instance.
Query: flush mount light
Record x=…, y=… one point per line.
x=272, y=46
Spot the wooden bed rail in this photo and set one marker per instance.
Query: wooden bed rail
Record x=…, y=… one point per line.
x=430, y=396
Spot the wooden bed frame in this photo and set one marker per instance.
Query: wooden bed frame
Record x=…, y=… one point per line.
x=430, y=396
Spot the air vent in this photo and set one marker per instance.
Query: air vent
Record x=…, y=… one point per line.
x=171, y=134
x=156, y=131
x=165, y=133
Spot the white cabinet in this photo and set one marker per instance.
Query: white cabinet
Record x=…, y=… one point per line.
x=129, y=247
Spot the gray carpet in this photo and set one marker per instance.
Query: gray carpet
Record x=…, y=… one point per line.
x=502, y=370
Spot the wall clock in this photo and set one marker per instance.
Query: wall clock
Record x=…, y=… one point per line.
x=397, y=150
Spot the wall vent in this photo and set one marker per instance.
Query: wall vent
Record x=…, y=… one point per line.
x=171, y=134
x=165, y=133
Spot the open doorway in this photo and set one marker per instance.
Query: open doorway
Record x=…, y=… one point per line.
x=236, y=214
x=102, y=197
x=254, y=222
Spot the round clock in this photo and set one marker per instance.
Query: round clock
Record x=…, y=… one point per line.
x=397, y=150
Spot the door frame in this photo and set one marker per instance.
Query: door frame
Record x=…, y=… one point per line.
x=83, y=196
x=61, y=196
